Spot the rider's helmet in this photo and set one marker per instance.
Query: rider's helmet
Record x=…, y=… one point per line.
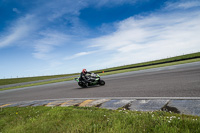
x=84, y=71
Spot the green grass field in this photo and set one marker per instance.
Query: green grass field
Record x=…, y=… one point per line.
x=151, y=66
x=150, y=63
x=28, y=79
x=40, y=83
x=93, y=120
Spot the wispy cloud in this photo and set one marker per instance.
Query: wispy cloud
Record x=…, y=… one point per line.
x=64, y=8
x=182, y=4
x=48, y=42
x=151, y=37
x=18, y=31
x=79, y=55
x=110, y=3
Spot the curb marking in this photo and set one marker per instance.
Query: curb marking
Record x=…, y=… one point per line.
x=97, y=102
x=42, y=103
x=73, y=103
x=55, y=103
x=4, y=105
x=115, y=104
x=84, y=103
x=27, y=104
x=65, y=103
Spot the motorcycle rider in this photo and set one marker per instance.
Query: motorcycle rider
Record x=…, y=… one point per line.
x=83, y=76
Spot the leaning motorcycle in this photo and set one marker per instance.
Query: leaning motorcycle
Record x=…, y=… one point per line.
x=93, y=78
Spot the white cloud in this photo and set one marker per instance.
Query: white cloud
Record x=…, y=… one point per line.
x=152, y=37
x=48, y=42
x=18, y=31
x=79, y=55
x=182, y=4
x=110, y=3
x=64, y=8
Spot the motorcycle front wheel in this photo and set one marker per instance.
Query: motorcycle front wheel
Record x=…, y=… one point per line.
x=101, y=82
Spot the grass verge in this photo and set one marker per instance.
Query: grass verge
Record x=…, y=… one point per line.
x=153, y=66
x=91, y=119
x=28, y=79
x=35, y=84
x=156, y=62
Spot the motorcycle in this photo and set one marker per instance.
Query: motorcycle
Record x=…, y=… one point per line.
x=93, y=78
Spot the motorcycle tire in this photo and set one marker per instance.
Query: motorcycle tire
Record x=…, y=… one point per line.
x=81, y=84
x=101, y=82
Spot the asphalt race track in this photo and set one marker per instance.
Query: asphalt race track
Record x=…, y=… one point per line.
x=173, y=81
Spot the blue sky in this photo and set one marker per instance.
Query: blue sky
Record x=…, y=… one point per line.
x=62, y=36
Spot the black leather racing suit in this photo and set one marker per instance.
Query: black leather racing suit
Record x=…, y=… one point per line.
x=83, y=77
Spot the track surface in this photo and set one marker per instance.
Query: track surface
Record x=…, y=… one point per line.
x=173, y=81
